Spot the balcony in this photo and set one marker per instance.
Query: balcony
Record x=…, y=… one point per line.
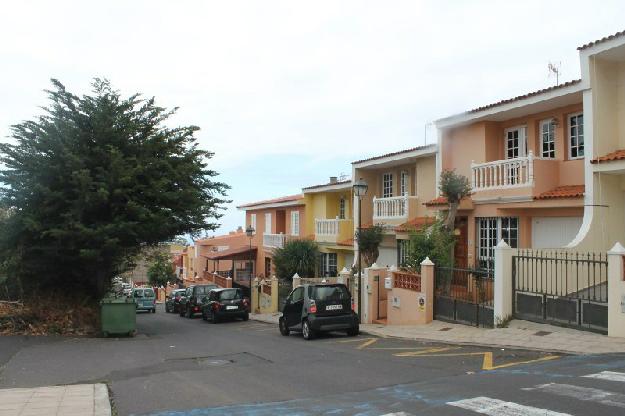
x=333, y=230
x=395, y=208
x=274, y=240
x=503, y=174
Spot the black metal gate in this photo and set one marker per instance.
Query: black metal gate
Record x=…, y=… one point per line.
x=562, y=288
x=464, y=296
x=284, y=290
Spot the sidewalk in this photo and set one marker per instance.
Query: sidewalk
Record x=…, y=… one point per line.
x=74, y=400
x=518, y=334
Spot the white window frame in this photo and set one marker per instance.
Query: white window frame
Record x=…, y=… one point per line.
x=295, y=223
x=492, y=234
x=268, y=223
x=403, y=183
x=522, y=141
x=253, y=222
x=387, y=179
x=570, y=138
x=551, y=139
x=326, y=265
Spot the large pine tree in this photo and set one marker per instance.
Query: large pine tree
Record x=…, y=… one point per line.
x=92, y=181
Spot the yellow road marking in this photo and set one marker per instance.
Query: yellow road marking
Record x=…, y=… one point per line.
x=426, y=353
x=367, y=343
x=487, y=362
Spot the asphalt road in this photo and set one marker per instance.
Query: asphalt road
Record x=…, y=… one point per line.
x=177, y=366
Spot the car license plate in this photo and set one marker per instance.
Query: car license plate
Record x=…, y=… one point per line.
x=231, y=307
x=333, y=307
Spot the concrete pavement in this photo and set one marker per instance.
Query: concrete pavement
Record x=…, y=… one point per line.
x=518, y=334
x=74, y=400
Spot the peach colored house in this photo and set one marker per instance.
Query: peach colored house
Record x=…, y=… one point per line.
x=275, y=221
x=215, y=254
x=524, y=158
x=399, y=184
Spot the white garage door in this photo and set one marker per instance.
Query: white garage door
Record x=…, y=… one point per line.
x=554, y=232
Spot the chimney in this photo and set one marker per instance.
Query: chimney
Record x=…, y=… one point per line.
x=240, y=229
x=333, y=179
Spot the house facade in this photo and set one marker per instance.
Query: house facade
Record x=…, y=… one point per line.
x=524, y=158
x=399, y=184
x=275, y=221
x=330, y=220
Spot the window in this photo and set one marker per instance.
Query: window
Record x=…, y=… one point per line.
x=515, y=142
x=297, y=295
x=403, y=246
x=547, y=135
x=328, y=265
x=576, y=135
x=489, y=232
x=253, y=221
x=342, y=208
x=387, y=185
x=268, y=223
x=294, y=222
x=403, y=183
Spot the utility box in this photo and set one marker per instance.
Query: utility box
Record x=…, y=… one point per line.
x=118, y=316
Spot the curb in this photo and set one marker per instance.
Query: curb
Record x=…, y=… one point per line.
x=102, y=404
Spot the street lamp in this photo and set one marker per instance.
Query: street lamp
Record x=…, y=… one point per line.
x=360, y=189
x=250, y=233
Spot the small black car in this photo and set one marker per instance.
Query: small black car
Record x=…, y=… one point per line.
x=172, y=302
x=191, y=302
x=316, y=308
x=225, y=303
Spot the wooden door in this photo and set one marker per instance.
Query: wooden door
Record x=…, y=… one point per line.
x=461, y=249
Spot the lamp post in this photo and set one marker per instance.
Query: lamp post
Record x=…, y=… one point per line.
x=250, y=233
x=360, y=189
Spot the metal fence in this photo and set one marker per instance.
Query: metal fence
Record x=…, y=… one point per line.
x=284, y=289
x=561, y=287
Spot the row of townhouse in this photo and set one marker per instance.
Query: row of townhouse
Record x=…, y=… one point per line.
x=546, y=169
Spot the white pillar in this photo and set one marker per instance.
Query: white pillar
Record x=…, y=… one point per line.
x=503, y=282
x=616, y=291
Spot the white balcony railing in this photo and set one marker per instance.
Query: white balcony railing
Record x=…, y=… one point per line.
x=274, y=240
x=327, y=227
x=503, y=174
x=390, y=208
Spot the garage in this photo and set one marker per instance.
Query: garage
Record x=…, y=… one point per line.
x=554, y=232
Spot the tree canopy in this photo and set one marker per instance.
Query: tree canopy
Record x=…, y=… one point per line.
x=94, y=179
x=454, y=187
x=369, y=240
x=296, y=256
x=161, y=270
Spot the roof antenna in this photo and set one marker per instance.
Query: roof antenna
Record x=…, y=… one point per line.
x=554, y=69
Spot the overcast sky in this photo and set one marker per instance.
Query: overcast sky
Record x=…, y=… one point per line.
x=288, y=93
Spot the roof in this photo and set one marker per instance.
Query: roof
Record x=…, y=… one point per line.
x=219, y=238
x=415, y=223
x=561, y=192
x=348, y=242
x=395, y=153
x=289, y=198
x=521, y=97
x=345, y=182
x=616, y=155
x=441, y=200
x=230, y=253
x=598, y=41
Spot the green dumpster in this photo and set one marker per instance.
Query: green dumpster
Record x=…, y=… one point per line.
x=118, y=316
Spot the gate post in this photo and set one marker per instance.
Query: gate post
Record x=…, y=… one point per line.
x=503, y=283
x=427, y=287
x=297, y=281
x=616, y=291
x=255, y=296
x=274, y=294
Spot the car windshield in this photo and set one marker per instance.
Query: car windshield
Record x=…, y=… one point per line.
x=138, y=293
x=329, y=293
x=230, y=294
x=148, y=293
x=203, y=290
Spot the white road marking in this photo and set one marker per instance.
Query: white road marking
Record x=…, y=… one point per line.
x=608, y=375
x=585, y=393
x=495, y=407
x=397, y=414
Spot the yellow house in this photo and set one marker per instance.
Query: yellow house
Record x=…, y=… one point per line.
x=330, y=221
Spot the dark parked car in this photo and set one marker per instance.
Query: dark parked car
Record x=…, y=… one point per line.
x=225, y=303
x=317, y=308
x=172, y=302
x=191, y=302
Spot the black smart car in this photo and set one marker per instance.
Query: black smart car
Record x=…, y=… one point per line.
x=225, y=303
x=191, y=302
x=172, y=302
x=316, y=308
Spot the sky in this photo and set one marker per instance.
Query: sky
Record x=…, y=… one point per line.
x=289, y=93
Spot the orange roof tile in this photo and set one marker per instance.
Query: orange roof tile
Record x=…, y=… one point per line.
x=604, y=39
x=567, y=191
x=289, y=198
x=441, y=200
x=616, y=155
x=395, y=153
x=348, y=242
x=415, y=223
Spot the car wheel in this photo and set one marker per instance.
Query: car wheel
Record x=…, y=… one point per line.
x=283, y=329
x=246, y=316
x=189, y=314
x=204, y=317
x=307, y=331
x=352, y=332
x=215, y=318
x=181, y=313
x=154, y=310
